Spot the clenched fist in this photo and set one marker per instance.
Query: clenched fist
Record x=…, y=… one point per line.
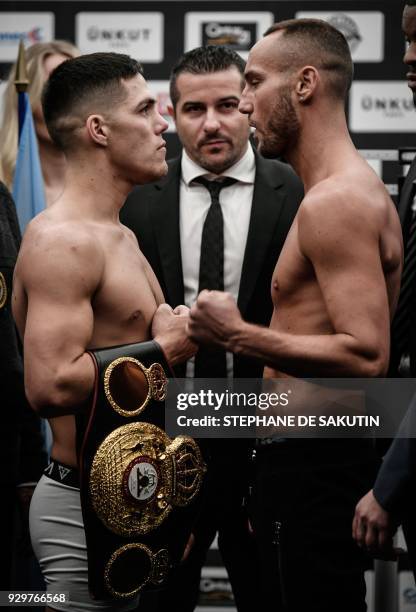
x=169, y=330
x=214, y=319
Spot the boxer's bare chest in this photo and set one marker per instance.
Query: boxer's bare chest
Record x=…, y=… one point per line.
x=298, y=302
x=125, y=301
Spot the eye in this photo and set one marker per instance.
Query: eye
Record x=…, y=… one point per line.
x=253, y=81
x=194, y=108
x=229, y=105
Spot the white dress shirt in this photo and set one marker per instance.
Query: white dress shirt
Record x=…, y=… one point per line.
x=194, y=202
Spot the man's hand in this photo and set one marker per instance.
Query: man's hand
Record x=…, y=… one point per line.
x=214, y=319
x=373, y=528
x=188, y=547
x=169, y=330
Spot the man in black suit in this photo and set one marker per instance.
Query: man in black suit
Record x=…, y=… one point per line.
x=392, y=500
x=21, y=443
x=174, y=221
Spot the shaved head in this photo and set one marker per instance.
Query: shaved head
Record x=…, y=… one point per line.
x=314, y=42
x=83, y=85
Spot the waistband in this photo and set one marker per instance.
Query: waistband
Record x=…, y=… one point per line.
x=266, y=442
x=62, y=473
x=327, y=449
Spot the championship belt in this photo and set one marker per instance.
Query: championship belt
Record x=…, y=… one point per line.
x=138, y=487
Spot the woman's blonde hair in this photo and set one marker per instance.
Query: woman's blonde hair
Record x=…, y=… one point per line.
x=34, y=56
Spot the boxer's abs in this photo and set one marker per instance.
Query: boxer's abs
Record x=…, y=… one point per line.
x=64, y=439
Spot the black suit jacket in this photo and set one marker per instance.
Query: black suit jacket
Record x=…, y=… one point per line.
x=406, y=199
x=152, y=212
x=394, y=486
x=408, y=192
x=21, y=443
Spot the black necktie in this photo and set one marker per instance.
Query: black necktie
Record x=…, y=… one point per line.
x=404, y=316
x=209, y=362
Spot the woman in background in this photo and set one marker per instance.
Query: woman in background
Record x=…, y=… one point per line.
x=41, y=59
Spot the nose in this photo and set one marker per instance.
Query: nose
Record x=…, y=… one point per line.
x=245, y=106
x=409, y=57
x=211, y=122
x=161, y=124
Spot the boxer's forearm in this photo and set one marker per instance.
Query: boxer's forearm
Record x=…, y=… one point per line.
x=309, y=355
x=62, y=389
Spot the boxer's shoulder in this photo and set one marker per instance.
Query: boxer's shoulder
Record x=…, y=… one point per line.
x=337, y=209
x=54, y=248
x=349, y=195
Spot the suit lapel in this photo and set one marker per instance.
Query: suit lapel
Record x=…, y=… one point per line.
x=268, y=199
x=407, y=193
x=165, y=216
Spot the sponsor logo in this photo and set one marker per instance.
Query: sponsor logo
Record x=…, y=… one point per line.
x=63, y=472
x=29, y=27
x=239, y=37
x=347, y=26
x=209, y=585
x=137, y=34
x=33, y=36
x=49, y=469
x=215, y=586
x=118, y=38
x=406, y=584
x=409, y=596
x=3, y=85
x=381, y=106
x=364, y=31
x=391, y=107
x=239, y=30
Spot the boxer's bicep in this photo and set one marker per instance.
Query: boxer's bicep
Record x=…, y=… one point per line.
x=59, y=323
x=340, y=241
x=153, y=282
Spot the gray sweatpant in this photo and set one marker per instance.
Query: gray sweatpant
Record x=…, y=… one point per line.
x=58, y=540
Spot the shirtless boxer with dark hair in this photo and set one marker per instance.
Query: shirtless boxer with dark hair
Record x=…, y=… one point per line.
x=81, y=282
x=334, y=289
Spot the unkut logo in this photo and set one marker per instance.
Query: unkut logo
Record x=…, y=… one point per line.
x=348, y=27
x=119, y=36
x=390, y=107
x=32, y=36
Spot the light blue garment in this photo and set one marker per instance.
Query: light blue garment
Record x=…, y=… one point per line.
x=28, y=188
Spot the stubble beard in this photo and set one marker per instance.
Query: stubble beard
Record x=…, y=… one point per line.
x=283, y=129
x=217, y=166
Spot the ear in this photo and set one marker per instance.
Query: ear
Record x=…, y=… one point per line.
x=307, y=82
x=97, y=129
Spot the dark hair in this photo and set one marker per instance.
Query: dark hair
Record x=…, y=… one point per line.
x=320, y=44
x=204, y=60
x=85, y=83
x=410, y=3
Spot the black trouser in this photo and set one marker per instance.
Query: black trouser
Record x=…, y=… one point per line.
x=409, y=530
x=302, y=507
x=224, y=513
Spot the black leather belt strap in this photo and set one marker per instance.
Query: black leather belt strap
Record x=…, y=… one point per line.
x=139, y=488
